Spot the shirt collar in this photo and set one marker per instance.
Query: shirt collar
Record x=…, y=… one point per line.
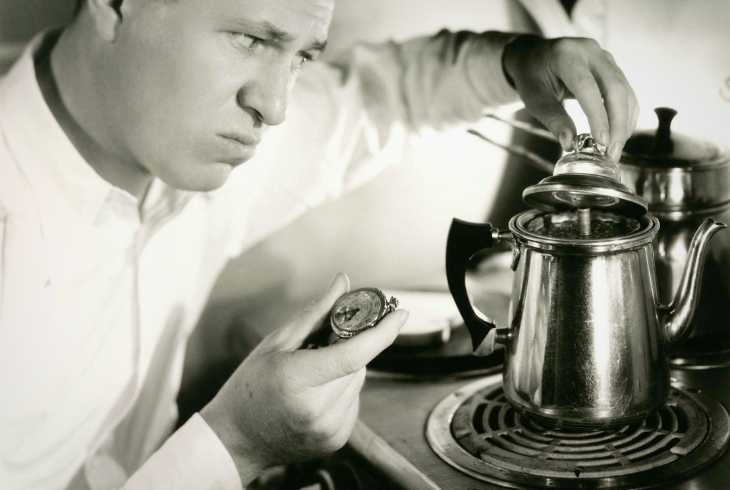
x=54, y=166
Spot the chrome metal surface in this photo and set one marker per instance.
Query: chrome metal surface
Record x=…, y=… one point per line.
x=677, y=316
x=682, y=189
x=573, y=191
x=586, y=228
x=587, y=338
x=589, y=318
x=477, y=432
x=594, y=319
x=708, y=342
x=584, y=178
x=675, y=193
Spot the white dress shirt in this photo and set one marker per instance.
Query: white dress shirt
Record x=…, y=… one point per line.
x=99, y=293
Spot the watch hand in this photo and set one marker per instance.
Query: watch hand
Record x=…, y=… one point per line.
x=348, y=313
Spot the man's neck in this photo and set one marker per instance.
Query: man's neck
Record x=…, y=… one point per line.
x=65, y=76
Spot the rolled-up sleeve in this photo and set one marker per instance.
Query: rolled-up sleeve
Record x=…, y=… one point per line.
x=193, y=458
x=434, y=81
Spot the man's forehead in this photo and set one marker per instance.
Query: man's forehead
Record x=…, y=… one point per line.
x=315, y=9
x=298, y=17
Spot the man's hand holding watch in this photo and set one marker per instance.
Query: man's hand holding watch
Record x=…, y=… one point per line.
x=285, y=403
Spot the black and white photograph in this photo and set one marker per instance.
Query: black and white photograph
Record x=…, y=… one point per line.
x=364, y=245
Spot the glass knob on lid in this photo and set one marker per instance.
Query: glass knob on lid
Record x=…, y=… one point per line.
x=588, y=157
x=585, y=178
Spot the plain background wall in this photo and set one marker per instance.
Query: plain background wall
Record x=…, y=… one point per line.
x=20, y=19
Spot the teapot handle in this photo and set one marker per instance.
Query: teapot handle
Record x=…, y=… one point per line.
x=464, y=240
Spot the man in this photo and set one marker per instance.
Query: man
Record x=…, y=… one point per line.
x=118, y=135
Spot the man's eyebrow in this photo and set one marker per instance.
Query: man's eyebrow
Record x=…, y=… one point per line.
x=317, y=46
x=274, y=33
x=277, y=34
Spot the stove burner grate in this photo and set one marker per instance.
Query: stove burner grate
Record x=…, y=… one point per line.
x=477, y=431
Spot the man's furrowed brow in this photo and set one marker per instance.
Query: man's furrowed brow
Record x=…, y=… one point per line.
x=275, y=33
x=317, y=46
x=279, y=35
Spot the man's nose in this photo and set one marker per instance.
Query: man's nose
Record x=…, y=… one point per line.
x=267, y=95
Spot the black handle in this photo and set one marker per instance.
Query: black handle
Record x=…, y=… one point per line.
x=466, y=239
x=663, y=144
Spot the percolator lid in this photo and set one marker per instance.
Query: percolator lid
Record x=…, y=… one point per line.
x=585, y=178
x=575, y=191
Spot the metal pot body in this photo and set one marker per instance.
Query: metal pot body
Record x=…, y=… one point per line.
x=681, y=195
x=586, y=348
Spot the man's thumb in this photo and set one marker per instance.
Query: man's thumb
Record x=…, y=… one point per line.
x=312, y=317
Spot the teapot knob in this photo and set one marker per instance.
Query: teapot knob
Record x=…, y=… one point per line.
x=663, y=144
x=586, y=142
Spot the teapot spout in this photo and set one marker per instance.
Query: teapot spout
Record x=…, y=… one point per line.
x=677, y=317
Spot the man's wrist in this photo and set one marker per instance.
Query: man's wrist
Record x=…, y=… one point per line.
x=510, y=55
x=240, y=450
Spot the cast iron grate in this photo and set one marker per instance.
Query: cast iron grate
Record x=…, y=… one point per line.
x=479, y=432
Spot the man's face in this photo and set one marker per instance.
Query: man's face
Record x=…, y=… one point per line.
x=191, y=85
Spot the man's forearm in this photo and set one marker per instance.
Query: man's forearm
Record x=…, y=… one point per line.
x=447, y=78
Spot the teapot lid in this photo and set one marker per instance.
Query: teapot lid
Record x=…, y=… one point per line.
x=677, y=175
x=585, y=179
x=662, y=148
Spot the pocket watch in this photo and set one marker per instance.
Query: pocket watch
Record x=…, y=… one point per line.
x=359, y=310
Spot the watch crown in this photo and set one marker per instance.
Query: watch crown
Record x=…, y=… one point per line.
x=391, y=304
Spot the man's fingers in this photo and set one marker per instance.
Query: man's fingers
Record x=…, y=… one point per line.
x=319, y=366
x=291, y=336
x=551, y=113
x=620, y=101
x=582, y=84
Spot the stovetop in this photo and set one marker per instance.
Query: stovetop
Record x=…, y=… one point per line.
x=398, y=411
x=477, y=431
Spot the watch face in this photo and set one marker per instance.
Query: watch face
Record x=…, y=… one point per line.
x=356, y=311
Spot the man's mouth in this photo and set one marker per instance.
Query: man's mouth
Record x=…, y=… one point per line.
x=242, y=139
x=238, y=147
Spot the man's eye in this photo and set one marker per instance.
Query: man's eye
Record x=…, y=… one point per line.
x=302, y=60
x=246, y=41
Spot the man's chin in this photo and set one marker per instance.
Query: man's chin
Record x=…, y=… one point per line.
x=209, y=177
x=216, y=174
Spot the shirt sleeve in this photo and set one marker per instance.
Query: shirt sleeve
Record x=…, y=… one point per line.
x=434, y=81
x=389, y=91
x=193, y=458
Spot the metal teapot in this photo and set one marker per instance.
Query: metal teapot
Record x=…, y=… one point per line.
x=685, y=180
x=587, y=338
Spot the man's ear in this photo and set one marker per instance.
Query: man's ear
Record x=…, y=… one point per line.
x=106, y=16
